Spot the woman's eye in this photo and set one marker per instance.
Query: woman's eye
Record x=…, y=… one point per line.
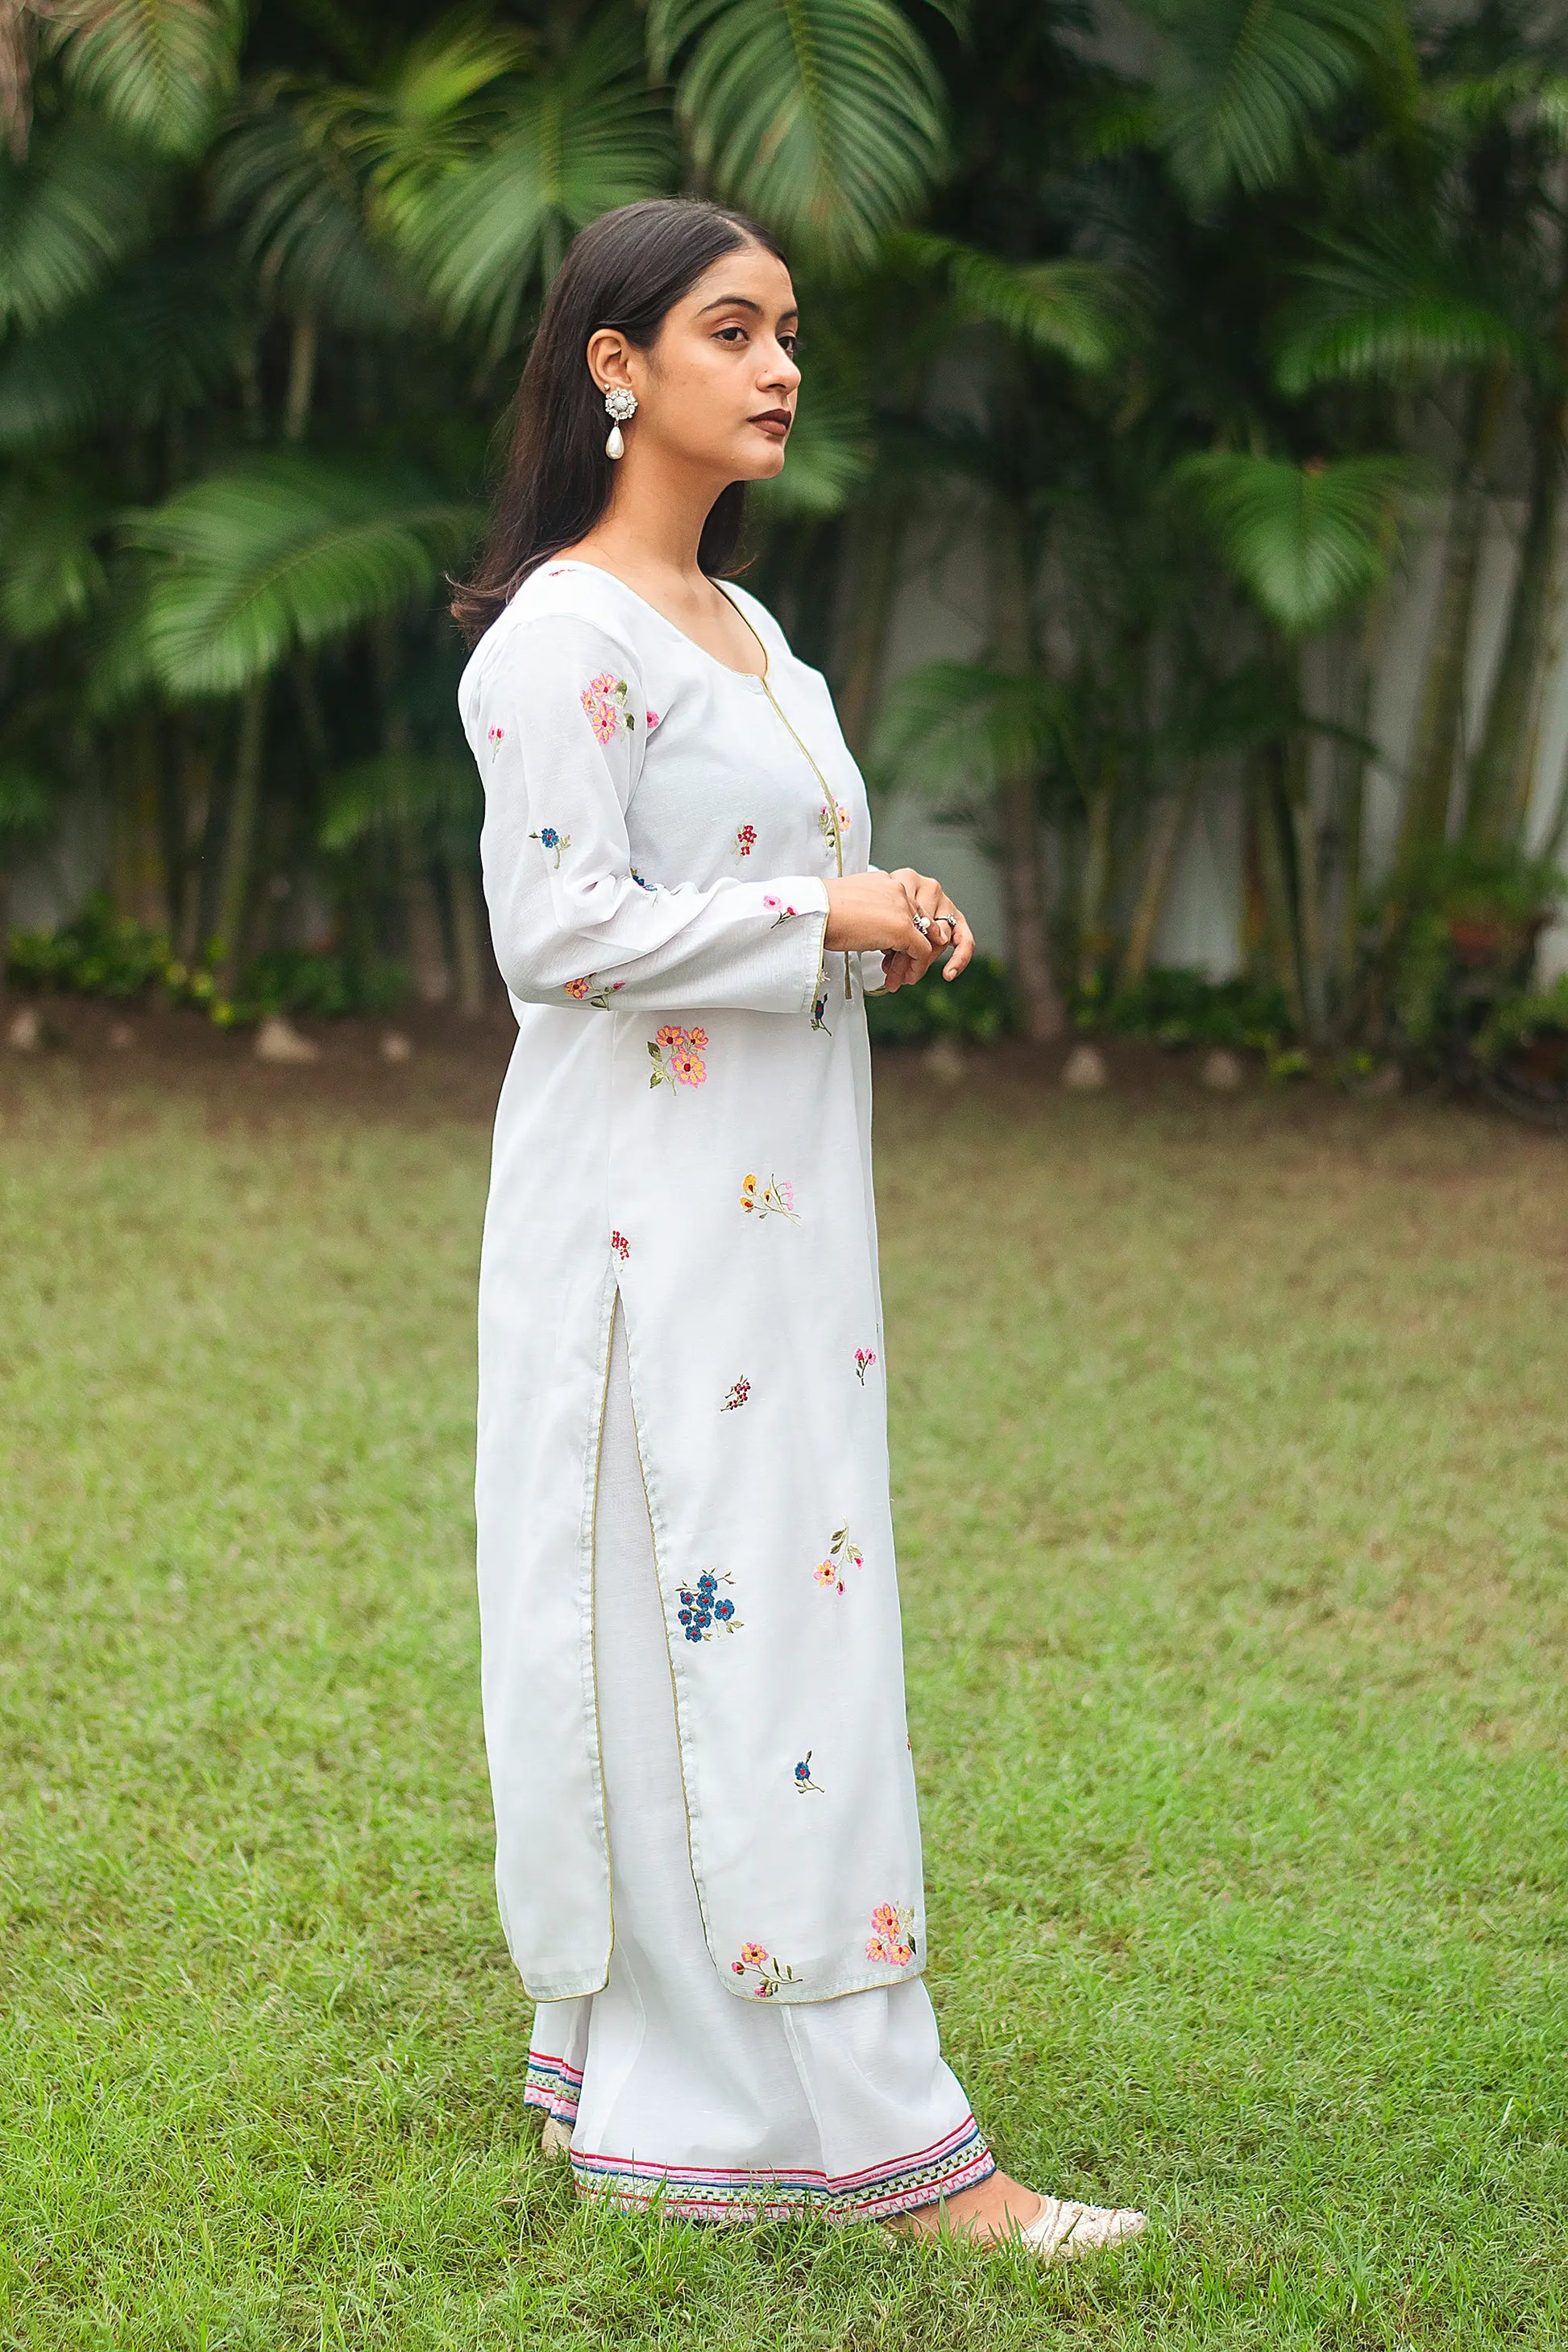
x=790, y=343
x=728, y=334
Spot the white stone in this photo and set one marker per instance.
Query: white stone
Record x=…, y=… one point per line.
x=1222, y=1071
x=24, y=1031
x=1085, y=1071
x=277, y=1040
x=395, y=1046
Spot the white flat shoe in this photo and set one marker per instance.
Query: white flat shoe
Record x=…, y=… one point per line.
x=1064, y=2230
x=555, y=2139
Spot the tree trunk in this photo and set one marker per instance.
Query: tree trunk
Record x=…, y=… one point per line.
x=1440, y=714
x=1094, y=890
x=303, y=346
x=1012, y=646
x=239, y=834
x=4, y=926
x=1164, y=839
x=874, y=582
x=1504, y=772
x=467, y=939
x=427, y=947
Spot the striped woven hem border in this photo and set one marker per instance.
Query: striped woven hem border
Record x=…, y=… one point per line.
x=708, y=2193
x=553, y=2085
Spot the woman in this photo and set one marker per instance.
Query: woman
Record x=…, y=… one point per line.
x=708, y=1850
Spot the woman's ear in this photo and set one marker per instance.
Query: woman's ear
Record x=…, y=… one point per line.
x=606, y=356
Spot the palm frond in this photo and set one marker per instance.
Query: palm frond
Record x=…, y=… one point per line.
x=1393, y=306
x=825, y=117
x=397, y=788
x=436, y=107
x=287, y=550
x=158, y=70
x=1076, y=310
x=1242, y=82
x=78, y=205
x=51, y=567
x=570, y=146
x=958, y=728
x=286, y=179
x=162, y=334
x=29, y=799
x=830, y=451
x=1308, y=542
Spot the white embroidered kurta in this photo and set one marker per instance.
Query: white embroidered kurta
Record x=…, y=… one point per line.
x=686, y=1119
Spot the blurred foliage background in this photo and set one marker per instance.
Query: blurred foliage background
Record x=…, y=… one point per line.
x=1181, y=309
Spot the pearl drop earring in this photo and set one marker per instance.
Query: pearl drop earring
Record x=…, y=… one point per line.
x=622, y=406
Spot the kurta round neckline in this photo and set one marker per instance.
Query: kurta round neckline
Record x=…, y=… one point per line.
x=760, y=681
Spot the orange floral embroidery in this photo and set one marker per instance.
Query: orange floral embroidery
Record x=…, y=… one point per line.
x=892, y=1935
x=676, y=1056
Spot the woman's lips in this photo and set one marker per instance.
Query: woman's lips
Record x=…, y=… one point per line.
x=775, y=422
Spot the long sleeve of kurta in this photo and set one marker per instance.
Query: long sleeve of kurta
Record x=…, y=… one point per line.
x=559, y=722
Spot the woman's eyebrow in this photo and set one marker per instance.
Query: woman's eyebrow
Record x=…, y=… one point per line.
x=741, y=302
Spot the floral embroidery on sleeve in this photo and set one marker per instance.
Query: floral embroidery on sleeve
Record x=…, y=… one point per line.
x=735, y=1396
x=548, y=838
x=864, y=1359
x=497, y=737
x=620, y=1245
x=642, y=881
x=604, y=701
x=651, y=720
x=677, y=1057
x=702, y=1613
x=745, y=841
x=817, y=1011
x=776, y=1199
x=892, y=1935
x=781, y=913
x=802, y=1779
x=585, y=989
x=833, y=833
x=842, y=1554
x=771, y=1973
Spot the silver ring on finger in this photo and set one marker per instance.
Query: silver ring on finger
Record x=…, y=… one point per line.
x=922, y=924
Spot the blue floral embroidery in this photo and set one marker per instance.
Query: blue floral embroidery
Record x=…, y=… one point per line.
x=802, y=1779
x=818, y=1009
x=641, y=881
x=548, y=838
x=702, y=1613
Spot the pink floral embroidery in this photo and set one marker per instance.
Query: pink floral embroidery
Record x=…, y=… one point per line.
x=651, y=720
x=841, y=1554
x=892, y=1935
x=780, y=911
x=735, y=1396
x=497, y=737
x=864, y=1359
x=676, y=1056
x=771, y=1973
x=560, y=568
x=620, y=1245
x=825, y=816
x=597, y=992
x=744, y=843
x=604, y=701
x=775, y=1199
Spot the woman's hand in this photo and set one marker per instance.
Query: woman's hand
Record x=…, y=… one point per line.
x=877, y=910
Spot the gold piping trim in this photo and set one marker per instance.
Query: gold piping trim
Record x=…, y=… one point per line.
x=817, y=771
x=594, y=1636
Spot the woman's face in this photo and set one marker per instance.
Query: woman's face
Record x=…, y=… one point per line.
x=716, y=392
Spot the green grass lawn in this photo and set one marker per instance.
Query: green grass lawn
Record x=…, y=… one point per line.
x=1229, y=1451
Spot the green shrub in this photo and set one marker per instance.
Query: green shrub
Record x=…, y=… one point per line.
x=104, y=954
x=978, y=1005
x=1518, y=1020
x=1174, y=1007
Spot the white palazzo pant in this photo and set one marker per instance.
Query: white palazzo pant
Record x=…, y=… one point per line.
x=725, y=2108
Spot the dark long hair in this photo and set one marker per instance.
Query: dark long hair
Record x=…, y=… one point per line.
x=627, y=270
